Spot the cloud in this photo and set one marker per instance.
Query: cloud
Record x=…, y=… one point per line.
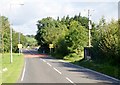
x=26, y=16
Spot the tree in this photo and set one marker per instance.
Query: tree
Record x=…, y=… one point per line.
x=30, y=40
x=50, y=31
x=6, y=36
x=68, y=34
x=42, y=24
x=106, y=42
x=77, y=38
x=5, y=33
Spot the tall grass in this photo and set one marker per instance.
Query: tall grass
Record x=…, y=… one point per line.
x=12, y=70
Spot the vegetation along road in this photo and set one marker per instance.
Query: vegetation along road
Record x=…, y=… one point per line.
x=45, y=69
x=50, y=54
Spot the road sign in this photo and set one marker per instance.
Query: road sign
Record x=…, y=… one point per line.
x=51, y=46
x=19, y=45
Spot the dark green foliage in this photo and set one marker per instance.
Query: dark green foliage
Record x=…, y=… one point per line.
x=68, y=34
x=105, y=43
x=77, y=37
x=30, y=40
x=6, y=36
x=105, y=68
x=15, y=42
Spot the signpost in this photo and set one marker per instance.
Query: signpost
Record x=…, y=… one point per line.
x=51, y=46
x=19, y=46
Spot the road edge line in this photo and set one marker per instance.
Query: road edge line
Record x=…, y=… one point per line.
x=23, y=73
x=95, y=72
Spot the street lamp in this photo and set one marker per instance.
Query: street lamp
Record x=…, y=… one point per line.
x=11, y=57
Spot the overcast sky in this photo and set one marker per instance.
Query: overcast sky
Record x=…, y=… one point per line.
x=24, y=17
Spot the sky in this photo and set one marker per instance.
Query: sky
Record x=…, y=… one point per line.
x=23, y=18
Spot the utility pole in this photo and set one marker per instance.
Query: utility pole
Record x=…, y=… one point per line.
x=11, y=57
x=87, y=52
x=90, y=26
x=19, y=42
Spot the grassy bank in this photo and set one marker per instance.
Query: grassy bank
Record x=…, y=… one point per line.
x=0, y=68
x=104, y=68
x=13, y=70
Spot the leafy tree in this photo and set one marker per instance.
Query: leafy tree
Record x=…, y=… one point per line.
x=74, y=41
x=60, y=32
x=6, y=36
x=50, y=31
x=105, y=42
x=5, y=33
x=42, y=24
x=30, y=40
x=109, y=42
x=57, y=31
x=77, y=38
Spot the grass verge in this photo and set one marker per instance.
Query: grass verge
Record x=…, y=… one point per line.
x=0, y=68
x=12, y=70
x=104, y=68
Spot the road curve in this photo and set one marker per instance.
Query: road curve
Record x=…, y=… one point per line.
x=45, y=69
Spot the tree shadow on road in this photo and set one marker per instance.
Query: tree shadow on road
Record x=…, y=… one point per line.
x=83, y=72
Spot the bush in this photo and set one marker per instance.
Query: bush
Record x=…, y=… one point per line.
x=72, y=57
x=105, y=44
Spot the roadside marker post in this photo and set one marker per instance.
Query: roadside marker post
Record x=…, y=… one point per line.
x=19, y=46
x=51, y=46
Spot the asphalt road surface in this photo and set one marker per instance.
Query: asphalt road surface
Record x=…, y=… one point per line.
x=44, y=69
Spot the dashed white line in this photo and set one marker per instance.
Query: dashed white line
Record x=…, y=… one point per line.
x=69, y=80
x=44, y=61
x=57, y=70
x=23, y=74
x=49, y=64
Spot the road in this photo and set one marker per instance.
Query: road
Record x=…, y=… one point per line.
x=45, y=69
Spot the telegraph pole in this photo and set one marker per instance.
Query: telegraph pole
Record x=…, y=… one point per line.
x=89, y=26
x=19, y=42
x=87, y=50
x=11, y=57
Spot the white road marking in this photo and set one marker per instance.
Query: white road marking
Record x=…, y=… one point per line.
x=49, y=64
x=94, y=71
x=63, y=61
x=102, y=74
x=44, y=61
x=23, y=74
x=69, y=80
x=57, y=70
